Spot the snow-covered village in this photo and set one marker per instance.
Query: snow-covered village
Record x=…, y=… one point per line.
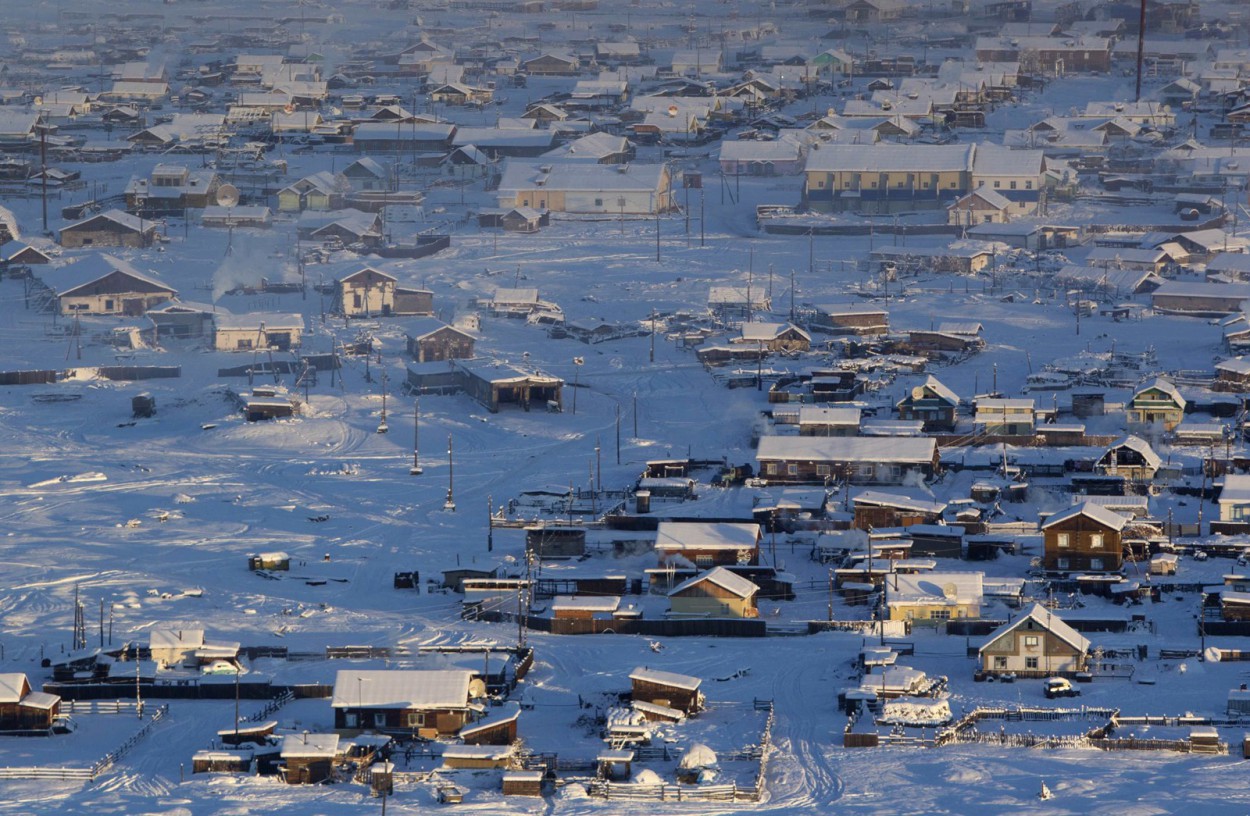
x=581, y=407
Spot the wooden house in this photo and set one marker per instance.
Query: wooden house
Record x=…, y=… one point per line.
x=188, y=647
x=22, y=709
x=366, y=175
x=1083, y=538
x=774, y=336
x=859, y=459
x=1233, y=374
x=1037, y=644
x=932, y=403
x=669, y=689
x=104, y=285
x=171, y=189
x=587, y=188
x=850, y=320
x=497, y=384
x=708, y=544
x=320, y=191
x=981, y=206
x=717, y=593
x=1129, y=457
x=430, y=339
x=309, y=759
x=1234, y=504
x=874, y=509
x=498, y=727
x=550, y=64
x=248, y=332
x=584, y=607
x=424, y=703
x=1005, y=417
x=934, y=596
x=1158, y=404
x=111, y=228
x=370, y=292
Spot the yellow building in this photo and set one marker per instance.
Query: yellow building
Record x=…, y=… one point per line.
x=885, y=178
x=934, y=596
x=717, y=593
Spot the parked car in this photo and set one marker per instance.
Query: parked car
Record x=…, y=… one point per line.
x=1060, y=687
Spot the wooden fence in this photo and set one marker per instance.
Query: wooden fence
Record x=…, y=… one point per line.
x=101, y=765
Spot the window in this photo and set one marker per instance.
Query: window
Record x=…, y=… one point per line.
x=873, y=185
x=703, y=560
x=1061, y=563
x=1028, y=185
x=1095, y=541
x=1013, y=185
x=792, y=470
x=379, y=719
x=349, y=719
x=598, y=202
x=108, y=305
x=940, y=614
x=1000, y=662
x=1061, y=541
x=771, y=468
x=1030, y=662
x=1095, y=563
x=997, y=184
x=244, y=343
x=416, y=719
x=1030, y=641
x=823, y=470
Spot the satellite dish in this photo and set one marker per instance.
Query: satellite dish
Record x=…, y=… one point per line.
x=477, y=688
x=227, y=195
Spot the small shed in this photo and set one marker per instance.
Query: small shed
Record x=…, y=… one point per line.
x=478, y=756
x=308, y=759
x=664, y=688
x=382, y=779
x=550, y=541
x=523, y=783
x=221, y=762
x=615, y=764
x=269, y=561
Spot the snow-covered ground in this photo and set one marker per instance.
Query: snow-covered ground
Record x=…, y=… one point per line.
x=153, y=519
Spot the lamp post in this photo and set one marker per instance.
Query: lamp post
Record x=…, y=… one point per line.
x=450, y=504
x=577, y=367
x=382, y=426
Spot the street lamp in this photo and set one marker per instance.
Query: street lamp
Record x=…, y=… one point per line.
x=577, y=367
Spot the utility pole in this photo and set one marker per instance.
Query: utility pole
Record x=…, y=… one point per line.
x=382, y=426
x=635, y=413
x=657, y=234
x=450, y=504
x=598, y=466
x=618, y=434
x=490, y=524
x=415, y=470
x=652, y=355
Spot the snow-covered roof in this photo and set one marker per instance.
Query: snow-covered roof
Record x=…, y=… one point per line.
x=906, y=449
x=406, y=689
x=675, y=536
x=723, y=578
x=175, y=638
x=1141, y=447
x=890, y=158
x=1048, y=621
x=1236, y=489
x=896, y=500
x=663, y=678
x=1103, y=516
x=310, y=746
x=254, y=320
x=11, y=687
x=585, y=603
x=935, y=588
